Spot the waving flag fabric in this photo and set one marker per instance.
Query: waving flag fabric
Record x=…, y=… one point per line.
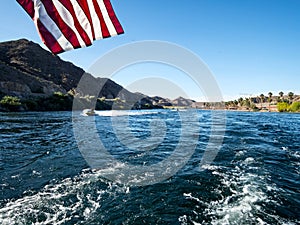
x=68, y=24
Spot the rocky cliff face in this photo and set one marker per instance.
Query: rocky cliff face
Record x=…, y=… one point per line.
x=28, y=70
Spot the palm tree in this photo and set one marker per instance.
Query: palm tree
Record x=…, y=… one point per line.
x=270, y=95
x=270, y=98
x=262, y=98
x=281, y=94
x=291, y=96
x=247, y=102
x=240, y=100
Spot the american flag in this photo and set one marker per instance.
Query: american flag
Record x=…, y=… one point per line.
x=69, y=24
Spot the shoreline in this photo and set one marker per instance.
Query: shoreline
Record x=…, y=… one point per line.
x=171, y=109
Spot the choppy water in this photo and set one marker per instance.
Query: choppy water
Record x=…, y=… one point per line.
x=255, y=178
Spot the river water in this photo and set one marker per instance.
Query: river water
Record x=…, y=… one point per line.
x=255, y=178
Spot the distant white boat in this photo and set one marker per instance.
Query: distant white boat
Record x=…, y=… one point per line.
x=88, y=112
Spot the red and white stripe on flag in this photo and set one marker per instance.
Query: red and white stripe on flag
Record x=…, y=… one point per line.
x=68, y=24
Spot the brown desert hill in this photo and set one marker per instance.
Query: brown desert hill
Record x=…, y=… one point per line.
x=25, y=66
x=183, y=102
x=29, y=72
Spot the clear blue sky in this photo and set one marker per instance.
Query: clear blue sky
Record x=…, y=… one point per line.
x=251, y=46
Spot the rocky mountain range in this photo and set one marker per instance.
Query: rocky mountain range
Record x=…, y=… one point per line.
x=34, y=75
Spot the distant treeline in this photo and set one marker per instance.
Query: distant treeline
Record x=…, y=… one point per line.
x=280, y=103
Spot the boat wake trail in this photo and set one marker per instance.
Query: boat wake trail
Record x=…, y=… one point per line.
x=70, y=201
x=243, y=196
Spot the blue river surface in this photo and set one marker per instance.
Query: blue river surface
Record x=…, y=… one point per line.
x=148, y=167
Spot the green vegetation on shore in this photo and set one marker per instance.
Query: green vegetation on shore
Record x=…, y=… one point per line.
x=269, y=102
x=10, y=103
x=55, y=102
x=286, y=107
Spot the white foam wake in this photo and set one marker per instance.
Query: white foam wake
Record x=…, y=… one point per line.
x=70, y=200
